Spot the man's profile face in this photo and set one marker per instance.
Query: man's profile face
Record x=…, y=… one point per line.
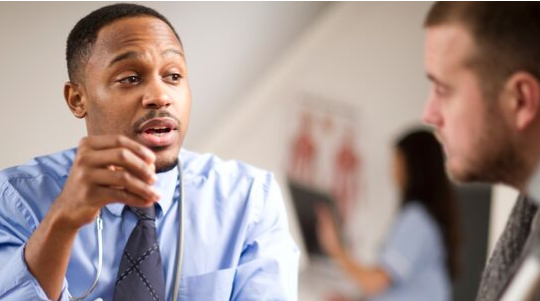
x=135, y=84
x=469, y=127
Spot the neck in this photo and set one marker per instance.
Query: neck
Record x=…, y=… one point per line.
x=166, y=168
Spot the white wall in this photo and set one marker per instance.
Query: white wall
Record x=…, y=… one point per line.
x=368, y=55
x=228, y=44
x=248, y=62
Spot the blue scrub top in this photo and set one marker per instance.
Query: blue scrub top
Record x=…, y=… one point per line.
x=415, y=258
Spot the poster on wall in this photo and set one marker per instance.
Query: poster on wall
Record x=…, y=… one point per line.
x=324, y=163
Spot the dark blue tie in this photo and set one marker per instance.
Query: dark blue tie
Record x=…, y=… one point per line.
x=141, y=276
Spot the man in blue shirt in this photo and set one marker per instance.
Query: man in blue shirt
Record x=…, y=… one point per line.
x=128, y=80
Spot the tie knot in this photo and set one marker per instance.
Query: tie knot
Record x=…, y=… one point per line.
x=145, y=213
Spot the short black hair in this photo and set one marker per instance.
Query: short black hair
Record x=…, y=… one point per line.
x=83, y=36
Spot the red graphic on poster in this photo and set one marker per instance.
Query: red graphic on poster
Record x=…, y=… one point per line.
x=346, y=174
x=303, y=152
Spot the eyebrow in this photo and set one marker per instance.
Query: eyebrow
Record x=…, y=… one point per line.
x=432, y=78
x=133, y=54
x=173, y=51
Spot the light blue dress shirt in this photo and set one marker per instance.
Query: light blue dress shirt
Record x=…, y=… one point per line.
x=415, y=258
x=237, y=245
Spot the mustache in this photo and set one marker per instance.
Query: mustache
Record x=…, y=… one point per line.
x=151, y=115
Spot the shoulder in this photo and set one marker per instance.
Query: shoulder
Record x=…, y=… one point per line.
x=233, y=183
x=415, y=217
x=415, y=211
x=209, y=166
x=55, y=166
x=29, y=189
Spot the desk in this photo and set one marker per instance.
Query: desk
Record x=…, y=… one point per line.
x=323, y=277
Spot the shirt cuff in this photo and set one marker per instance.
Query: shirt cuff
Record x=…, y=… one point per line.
x=396, y=265
x=18, y=283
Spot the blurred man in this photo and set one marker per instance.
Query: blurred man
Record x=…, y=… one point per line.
x=128, y=79
x=482, y=60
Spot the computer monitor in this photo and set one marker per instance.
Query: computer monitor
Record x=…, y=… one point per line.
x=306, y=199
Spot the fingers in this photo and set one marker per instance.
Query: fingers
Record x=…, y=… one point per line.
x=336, y=297
x=118, y=141
x=114, y=164
x=127, y=182
x=109, y=195
x=323, y=214
x=122, y=157
x=107, y=169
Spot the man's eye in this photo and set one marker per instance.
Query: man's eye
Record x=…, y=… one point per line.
x=130, y=80
x=440, y=90
x=174, y=77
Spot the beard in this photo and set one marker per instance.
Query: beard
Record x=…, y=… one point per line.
x=165, y=162
x=166, y=166
x=495, y=158
x=491, y=165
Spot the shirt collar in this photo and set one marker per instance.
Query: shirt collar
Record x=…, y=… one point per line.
x=166, y=185
x=532, y=188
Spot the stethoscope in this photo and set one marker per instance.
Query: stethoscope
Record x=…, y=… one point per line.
x=178, y=272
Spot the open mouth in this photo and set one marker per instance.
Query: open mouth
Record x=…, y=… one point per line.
x=158, y=132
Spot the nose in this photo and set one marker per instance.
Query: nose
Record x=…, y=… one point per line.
x=431, y=114
x=156, y=95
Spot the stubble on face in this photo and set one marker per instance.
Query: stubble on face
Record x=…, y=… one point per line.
x=495, y=157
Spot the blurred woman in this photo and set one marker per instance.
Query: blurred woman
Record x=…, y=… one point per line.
x=419, y=258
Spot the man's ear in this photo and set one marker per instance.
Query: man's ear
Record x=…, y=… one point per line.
x=524, y=90
x=75, y=99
